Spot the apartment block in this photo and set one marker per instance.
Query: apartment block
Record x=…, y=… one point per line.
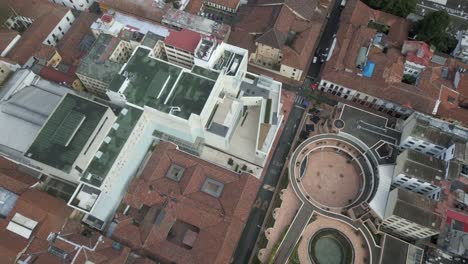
x=419, y=173
x=461, y=50
x=395, y=250
x=81, y=5
x=410, y=216
x=386, y=72
x=102, y=63
x=281, y=38
x=180, y=47
x=42, y=25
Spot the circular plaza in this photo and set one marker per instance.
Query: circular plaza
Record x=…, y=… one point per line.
x=332, y=172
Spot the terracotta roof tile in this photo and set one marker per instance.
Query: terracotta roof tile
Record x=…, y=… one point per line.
x=46, y=17
x=69, y=45
x=147, y=9
x=293, y=26
x=385, y=83
x=184, y=39
x=220, y=220
x=6, y=36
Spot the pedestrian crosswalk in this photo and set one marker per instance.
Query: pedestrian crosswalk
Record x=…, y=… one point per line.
x=299, y=99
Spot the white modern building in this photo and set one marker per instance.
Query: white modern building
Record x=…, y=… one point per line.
x=461, y=50
x=419, y=173
x=215, y=110
x=433, y=136
x=34, y=114
x=57, y=24
x=81, y=5
x=410, y=216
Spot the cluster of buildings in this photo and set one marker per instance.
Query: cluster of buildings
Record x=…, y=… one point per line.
x=375, y=65
x=422, y=184
x=151, y=131
x=281, y=36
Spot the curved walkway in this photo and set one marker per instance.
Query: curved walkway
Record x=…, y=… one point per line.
x=308, y=208
x=324, y=222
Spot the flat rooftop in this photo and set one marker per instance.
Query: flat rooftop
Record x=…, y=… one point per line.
x=395, y=250
x=96, y=64
x=371, y=129
x=66, y=132
x=164, y=86
x=200, y=24
x=111, y=147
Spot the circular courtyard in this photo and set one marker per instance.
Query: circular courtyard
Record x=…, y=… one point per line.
x=332, y=173
x=330, y=246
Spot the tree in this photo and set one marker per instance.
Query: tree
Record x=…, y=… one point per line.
x=432, y=30
x=400, y=8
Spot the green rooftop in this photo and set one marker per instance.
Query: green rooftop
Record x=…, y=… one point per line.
x=205, y=72
x=151, y=39
x=96, y=63
x=111, y=147
x=66, y=132
x=162, y=86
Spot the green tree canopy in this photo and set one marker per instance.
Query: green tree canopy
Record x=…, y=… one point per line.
x=432, y=29
x=400, y=8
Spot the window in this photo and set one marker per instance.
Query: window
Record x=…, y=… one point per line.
x=450, y=99
x=79, y=169
x=60, y=28
x=68, y=19
x=175, y=172
x=212, y=187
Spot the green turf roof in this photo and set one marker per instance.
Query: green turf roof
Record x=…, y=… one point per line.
x=66, y=132
x=205, y=72
x=99, y=167
x=96, y=63
x=161, y=85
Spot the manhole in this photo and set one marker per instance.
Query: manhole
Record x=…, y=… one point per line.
x=339, y=124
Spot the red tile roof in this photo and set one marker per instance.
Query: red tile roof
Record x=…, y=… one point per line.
x=417, y=52
x=12, y=179
x=147, y=9
x=46, y=16
x=6, y=36
x=69, y=45
x=385, y=82
x=184, y=39
x=220, y=220
x=54, y=75
x=48, y=211
x=273, y=25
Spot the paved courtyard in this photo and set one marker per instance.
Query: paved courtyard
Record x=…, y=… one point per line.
x=330, y=179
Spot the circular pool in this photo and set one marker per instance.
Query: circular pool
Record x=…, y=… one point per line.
x=330, y=246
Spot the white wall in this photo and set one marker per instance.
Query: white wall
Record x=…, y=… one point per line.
x=60, y=29
x=77, y=4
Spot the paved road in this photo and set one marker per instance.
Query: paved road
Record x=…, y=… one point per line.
x=257, y=215
x=305, y=212
x=326, y=39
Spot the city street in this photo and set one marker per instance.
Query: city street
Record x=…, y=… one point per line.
x=257, y=216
